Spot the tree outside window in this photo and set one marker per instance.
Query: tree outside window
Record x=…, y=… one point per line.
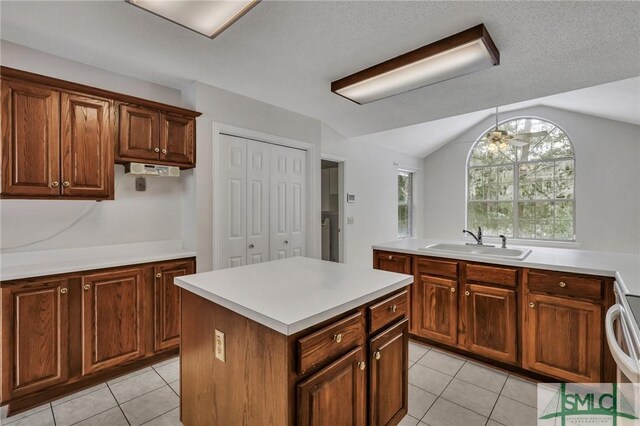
x=405, y=204
x=523, y=192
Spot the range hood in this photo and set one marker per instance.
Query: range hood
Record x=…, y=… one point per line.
x=140, y=169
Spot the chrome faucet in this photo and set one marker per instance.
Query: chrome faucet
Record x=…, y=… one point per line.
x=504, y=241
x=477, y=238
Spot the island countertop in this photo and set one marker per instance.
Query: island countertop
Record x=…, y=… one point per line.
x=292, y=294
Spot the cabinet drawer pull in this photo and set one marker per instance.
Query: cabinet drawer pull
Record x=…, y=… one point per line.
x=54, y=184
x=362, y=365
x=377, y=354
x=562, y=284
x=86, y=287
x=156, y=149
x=390, y=257
x=532, y=305
x=338, y=337
x=63, y=290
x=393, y=308
x=453, y=289
x=65, y=184
x=158, y=275
x=164, y=151
x=466, y=293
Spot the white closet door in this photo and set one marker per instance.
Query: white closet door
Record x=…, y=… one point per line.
x=258, y=158
x=287, y=206
x=232, y=249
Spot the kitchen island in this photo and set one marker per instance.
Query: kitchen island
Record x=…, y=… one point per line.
x=294, y=341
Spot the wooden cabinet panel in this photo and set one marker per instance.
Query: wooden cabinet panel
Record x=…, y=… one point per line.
x=336, y=395
x=563, y=338
x=34, y=337
x=389, y=385
x=568, y=285
x=444, y=268
x=492, y=322
x=30, y=140
x=167, y=303
x=139, y=133
x=492, y=274
x=437, y=309
x=87, y=146
x=389, y=310
x=177, y=139
x=392, y=262
x=112, y=318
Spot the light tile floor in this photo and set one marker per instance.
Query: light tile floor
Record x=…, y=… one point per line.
x=444, y=390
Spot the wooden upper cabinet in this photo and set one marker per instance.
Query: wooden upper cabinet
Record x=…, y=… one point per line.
x=112, y=318
x=389, y=385
x=436, y=309
x=392, y=262
x=177, y=139
x=34, y=337
x=87, y=147
x=138, y=134
x=492, y=326
x=563, y=338
x=30, y=148
x=336, y=395
x=167, y=303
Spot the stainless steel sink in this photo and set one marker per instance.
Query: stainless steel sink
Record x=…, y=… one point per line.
x=477, y=250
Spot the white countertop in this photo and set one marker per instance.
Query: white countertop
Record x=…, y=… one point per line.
x=625, y=268
x=38, y=263
x=292, y=294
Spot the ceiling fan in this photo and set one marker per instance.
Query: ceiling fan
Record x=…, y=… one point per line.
x=501, y=138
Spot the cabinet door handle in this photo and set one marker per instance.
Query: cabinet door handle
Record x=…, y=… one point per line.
x=377, y=354
x=164, y=151
x=54, y=184
x=362, y=365
x=562, y=284
x=86, y=287
x=65, y=184
x=466, y=293
x=338, y=337
x=63, y=290
x=532, y=305
x=390, y=257
x=158, y=275
x=156, y=149
x=453, y=289
x=393, y=308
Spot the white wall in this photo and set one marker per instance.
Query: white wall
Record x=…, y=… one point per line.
x=220, y=106
x=607, y=180
x=132, y=217
x=371, y=174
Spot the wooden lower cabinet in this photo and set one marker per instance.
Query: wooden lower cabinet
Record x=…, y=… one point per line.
x=492, y=322
x=62, y=332
x=336, y=395
x=389, y=366
x=563, y=338
x=34, y=336
x=436, y=314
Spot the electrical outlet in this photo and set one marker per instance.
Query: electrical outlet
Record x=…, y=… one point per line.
x=141, y=184
x=220, y=346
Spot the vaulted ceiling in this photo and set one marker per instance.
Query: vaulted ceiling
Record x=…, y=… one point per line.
x=286, y=53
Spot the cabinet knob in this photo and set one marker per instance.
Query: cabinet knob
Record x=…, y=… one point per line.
x=393, y=308
x=338, y=337
x=164, y=151
x=251, y=246
x=156, y=149
x=65, y=183
x=377, y=354
x=158, y=275
x=562, y=284
x=86, y=287
x=362, y=365
x=453, y=289
x=63, y=290
x=532, y=305
x=54, y=184
x=390, y=257
x=466, y=293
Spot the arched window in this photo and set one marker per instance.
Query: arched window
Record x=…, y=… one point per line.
x=523, y=192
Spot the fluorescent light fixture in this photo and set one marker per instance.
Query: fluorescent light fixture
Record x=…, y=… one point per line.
x=463, y=53
x=208, y=18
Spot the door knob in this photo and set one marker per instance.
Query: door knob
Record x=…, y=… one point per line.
x=362, y=365
x=393, y=308
x=164, y=151
x=251, y=246
x=156, y=149
x=63, y=290
x=390, y=257
x=466, y=293
x=562, y=284
x=532, y=305
x=54, y=184
x=158, y=275
x=86, y=287
x=377, y=354
x=453, y=289
x=65, y=183
x=338, y=337
x=286, y=241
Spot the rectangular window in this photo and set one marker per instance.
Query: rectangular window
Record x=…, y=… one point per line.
x=405, y=204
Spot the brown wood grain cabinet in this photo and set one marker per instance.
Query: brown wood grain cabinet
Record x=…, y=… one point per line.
x=66, y=332
x=392, y=262
x=177, y=134
x=436, y=313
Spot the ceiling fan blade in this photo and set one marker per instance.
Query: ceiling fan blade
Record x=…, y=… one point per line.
x=517, y=143
x=532, y=135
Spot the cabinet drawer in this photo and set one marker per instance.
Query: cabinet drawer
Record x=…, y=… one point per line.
x=436, y=267
x=565, y=285
x=392, y=262
x=330, y=342
x=492, y=275
x=389, y=310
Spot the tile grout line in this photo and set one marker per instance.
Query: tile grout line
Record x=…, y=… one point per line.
x=167, y=383
x=437, y=396
x=160, y=415
x=499, y=395
x=119, y=407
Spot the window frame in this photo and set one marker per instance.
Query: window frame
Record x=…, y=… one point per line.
x=409, y=204
x=516, y=184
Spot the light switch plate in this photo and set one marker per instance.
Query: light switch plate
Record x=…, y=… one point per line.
x=350, y=221
x=220, y=345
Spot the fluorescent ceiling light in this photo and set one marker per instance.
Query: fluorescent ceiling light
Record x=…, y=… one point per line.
x=208, y=18
x=463, y=53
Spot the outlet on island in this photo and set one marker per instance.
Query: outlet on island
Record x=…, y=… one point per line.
x=220, y=350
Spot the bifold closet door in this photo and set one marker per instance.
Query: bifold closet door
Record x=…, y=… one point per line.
x=258, y=158
x=287, y=202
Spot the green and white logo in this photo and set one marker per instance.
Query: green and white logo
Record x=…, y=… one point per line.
x=588, y=404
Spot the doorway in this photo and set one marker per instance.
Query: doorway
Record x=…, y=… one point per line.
x=332, y=208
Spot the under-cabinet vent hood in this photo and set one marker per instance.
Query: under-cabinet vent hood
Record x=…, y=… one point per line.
x=141, y=169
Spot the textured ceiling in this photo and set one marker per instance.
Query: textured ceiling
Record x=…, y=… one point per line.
x=287, y=53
